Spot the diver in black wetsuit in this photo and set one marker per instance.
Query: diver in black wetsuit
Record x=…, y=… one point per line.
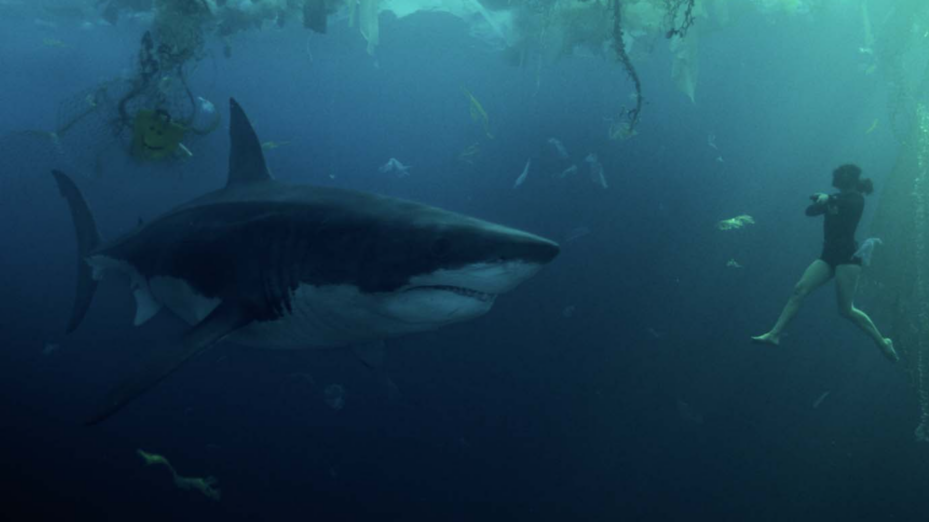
x=841, y=212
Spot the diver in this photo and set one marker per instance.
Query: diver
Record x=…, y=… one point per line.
x=839, y=259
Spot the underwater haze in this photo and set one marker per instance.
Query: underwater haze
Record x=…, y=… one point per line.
x=618, y=383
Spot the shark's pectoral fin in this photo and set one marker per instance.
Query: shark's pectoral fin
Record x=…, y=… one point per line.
x=373, y=356
x=225, y=319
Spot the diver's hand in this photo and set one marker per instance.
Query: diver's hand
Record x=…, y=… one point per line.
x=819, y=198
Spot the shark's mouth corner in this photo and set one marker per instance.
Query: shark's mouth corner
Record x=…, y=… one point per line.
x=457, y=290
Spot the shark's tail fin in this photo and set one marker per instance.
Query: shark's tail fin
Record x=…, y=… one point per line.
x=87, y=239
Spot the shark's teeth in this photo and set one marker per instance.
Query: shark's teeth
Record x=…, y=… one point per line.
x=466, y=292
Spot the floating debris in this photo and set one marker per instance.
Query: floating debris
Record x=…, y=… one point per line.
x=866, y=250
x=576, y=233
x=53, y=42
x=203, y=485
x=736, y=222
x=559, y=147
x=393, y=165
x=271, y=145
x=522, y=177
x=478, y=114
x=335, y=396
x=688, y=413
x=596, y=170
x=470, y=153
x=570, y=171
x=821, y=398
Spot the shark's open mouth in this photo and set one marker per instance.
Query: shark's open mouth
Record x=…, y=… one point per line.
x=459, y=290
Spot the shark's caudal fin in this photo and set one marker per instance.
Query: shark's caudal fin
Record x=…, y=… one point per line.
x=246, y=160
x=87, y=239
x=221, y=322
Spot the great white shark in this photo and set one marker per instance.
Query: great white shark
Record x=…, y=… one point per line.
x=272, y=265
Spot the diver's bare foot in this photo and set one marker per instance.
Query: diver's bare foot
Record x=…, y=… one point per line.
x=887, y=348
x=767, y=338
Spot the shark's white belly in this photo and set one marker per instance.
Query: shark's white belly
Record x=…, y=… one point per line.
x=319, y=317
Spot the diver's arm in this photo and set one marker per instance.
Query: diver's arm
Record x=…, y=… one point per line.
x=819, y=204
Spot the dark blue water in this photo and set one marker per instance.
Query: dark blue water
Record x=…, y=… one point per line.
x=618, y=384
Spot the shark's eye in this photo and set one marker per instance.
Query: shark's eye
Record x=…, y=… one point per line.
x=440, y=247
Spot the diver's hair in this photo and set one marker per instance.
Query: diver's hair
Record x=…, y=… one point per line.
x=848, y=175
x=865, y=186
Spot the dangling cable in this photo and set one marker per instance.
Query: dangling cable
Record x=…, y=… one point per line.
x=922, y=295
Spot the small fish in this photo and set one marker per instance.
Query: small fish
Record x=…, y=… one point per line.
x=711, y=141
x=872, y=127
x=522, y=177
x=732, y=263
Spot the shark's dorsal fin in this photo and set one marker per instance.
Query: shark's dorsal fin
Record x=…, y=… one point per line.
x=246, y=160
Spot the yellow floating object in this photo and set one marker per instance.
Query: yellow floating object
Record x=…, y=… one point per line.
x=154, y=136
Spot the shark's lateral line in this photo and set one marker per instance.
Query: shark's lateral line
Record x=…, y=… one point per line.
x=271, y=265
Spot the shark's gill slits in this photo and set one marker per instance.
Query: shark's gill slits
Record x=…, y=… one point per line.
x=459, y=290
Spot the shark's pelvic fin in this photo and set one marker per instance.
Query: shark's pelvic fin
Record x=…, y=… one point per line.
x=246, y=160
x=226, y=319
x=88, y=237
x=146, y=306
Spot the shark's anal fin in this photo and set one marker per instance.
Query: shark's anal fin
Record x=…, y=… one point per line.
x=225, y=319
x=246, y=159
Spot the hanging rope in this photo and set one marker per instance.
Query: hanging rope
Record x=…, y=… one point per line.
x=630, y=117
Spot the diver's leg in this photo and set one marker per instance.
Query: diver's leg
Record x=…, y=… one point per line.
x=814, y=277
x=846, y=284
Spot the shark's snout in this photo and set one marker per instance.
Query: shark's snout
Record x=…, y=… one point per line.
x=534, y=249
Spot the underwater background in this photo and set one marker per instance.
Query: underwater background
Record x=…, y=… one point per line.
x=618, y=384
